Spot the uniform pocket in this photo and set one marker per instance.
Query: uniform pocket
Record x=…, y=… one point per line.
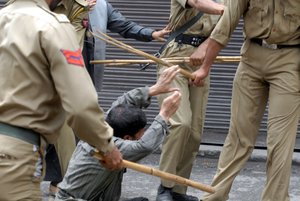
x=257, y=10
x=291, y=14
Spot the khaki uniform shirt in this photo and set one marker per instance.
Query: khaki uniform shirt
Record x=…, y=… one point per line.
x=43, y=75
x=76, y=11
x=276, y=21
x=181, y=13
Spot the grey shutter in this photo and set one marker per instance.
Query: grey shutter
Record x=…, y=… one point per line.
x=2, y=3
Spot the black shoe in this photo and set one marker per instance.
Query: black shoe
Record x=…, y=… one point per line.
x=164, y=194
x=183, y=197
x=138, y=199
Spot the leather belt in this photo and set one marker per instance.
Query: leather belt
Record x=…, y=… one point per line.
x=263, y=43
x=21, y=133
x=193, y=40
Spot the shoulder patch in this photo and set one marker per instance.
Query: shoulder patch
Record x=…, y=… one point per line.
x=73, y=57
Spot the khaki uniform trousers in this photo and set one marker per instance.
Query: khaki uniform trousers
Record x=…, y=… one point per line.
x=21, y=169
x=263, y=75
x=181, y=146
x=65, y=146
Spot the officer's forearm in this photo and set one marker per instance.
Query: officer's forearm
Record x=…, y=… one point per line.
x=212, y=51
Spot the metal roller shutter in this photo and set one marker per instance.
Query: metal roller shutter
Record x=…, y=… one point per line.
x=155, y=13
x=2, y=3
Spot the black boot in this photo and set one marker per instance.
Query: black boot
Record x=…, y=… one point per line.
x=164, y=194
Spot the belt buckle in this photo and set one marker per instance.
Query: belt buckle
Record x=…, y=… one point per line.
x=270, y=46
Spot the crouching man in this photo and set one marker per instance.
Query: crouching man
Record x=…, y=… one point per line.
x=86, y=178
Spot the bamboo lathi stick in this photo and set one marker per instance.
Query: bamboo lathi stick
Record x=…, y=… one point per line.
x=172, y=60
x=161, y=174
x=122, y=45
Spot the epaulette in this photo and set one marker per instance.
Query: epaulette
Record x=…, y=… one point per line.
x=62, y=18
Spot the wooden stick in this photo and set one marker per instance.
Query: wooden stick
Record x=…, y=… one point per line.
x=121, y=45
x=174, y=60
x=161, y=174
x=219, y=59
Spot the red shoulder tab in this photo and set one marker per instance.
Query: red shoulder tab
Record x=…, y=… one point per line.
x=73, y=57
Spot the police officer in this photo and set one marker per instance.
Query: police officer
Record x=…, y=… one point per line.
x=77, y=13
x=269, y=71
x=181, y=146
x=43, y=81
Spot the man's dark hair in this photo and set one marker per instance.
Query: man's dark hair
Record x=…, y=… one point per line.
x=126, y=119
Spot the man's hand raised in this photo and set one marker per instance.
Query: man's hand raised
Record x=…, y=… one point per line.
x=170, y=105
x=164, y=83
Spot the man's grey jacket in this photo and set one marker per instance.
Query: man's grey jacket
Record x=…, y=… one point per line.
x=86, y=179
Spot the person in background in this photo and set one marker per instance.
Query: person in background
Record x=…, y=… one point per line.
x=269, y=72
x=42, y=64
x=77, y=12
x=86, y=179
x=105, y=17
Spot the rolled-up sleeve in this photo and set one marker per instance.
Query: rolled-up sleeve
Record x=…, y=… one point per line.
x=229, y=20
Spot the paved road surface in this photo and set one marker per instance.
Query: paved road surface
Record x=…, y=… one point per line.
x=247, y=186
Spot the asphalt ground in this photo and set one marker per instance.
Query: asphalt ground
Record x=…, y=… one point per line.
x=247, y=186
